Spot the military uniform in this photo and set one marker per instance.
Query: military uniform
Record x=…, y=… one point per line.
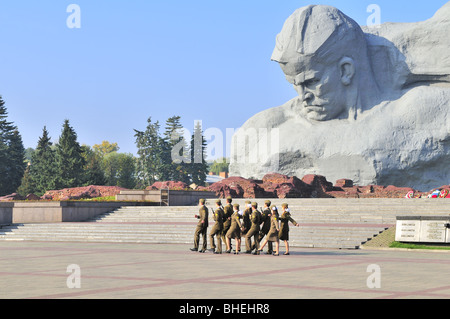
x=266, y=222
x=228, y=212
x=235, y=228
x=202, y=228
x=284, y=228
x=216, y=230
x=246, y=223
x=272, y=235
x=255, y=219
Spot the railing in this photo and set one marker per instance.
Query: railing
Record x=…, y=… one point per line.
x=164, y=197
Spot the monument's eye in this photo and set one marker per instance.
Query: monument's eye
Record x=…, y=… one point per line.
x=311, y=83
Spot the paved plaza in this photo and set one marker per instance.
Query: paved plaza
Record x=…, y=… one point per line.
x=136, y=271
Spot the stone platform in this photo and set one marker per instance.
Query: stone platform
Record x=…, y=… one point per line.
x=38, y=270
x=324, y=223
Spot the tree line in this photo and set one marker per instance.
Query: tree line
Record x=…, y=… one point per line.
x=66, y=164
x=12, y=154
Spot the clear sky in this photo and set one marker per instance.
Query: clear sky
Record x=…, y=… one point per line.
x=204, y=60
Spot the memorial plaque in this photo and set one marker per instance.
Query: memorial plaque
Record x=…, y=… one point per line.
x=447, y=233
x=408, y=230
x=423, y=229
x=433, y=231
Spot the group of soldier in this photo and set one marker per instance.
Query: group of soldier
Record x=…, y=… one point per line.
x=230, y=222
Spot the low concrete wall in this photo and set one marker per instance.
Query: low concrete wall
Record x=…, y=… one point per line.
x=188, y=198
x=176, y=197
x=57, y=212
x=139, y=195
x=6, y=213
x=36, y=212
x=73, y=212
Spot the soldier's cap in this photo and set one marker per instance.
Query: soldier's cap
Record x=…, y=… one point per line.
x=218, y=202
x=236, y=206
x=229, y=199
x=273, y=207
x=255, y=204
x=268, y=202
x=248, y=202
x=202, y=200
x=284, y=205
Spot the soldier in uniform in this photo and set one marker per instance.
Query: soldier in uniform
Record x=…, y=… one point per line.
x=266, y=222
x=246, y=223
x=217, y=228
x=228, y=212
x=255, y=219
x=285, y=218
x=272, y=235
x=235, y=230
x=202, y=226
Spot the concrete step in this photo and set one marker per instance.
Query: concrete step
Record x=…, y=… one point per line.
x=344, y=224
x=344, y=238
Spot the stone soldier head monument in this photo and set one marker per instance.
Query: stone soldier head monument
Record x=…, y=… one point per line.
x=373, y=103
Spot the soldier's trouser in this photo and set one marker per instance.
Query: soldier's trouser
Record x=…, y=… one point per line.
x=200, y=231
x=248, y=239
x=224, y=233
x=218, y=234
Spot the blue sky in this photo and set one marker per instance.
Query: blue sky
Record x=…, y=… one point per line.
x=202, y=59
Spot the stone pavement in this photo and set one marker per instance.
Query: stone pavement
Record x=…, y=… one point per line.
x=142, y=271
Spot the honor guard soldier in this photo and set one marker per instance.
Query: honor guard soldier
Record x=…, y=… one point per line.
x=285, y=218
x=217, y=229
x=255, y=219
x=202, y=226
x=265, y=224
x=246, y=223
x=235, y=230
x=272, y=235
x=228, y=212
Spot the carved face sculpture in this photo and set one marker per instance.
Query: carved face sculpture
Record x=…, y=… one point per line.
x=322, y=88
x=315, y=50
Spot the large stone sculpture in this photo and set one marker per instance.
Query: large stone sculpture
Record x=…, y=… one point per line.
x=373, y=103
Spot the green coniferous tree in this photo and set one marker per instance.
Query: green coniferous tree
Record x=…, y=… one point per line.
x=16, y=162
x=12, y=154
x=6, y=128
x=3, y=166
x=176, y=153
x=198, y=166
x=43, y=170
x=27, y=185
x=150, y=153
x=69, y=159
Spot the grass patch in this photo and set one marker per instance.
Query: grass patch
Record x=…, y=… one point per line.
x=387, y=240
x=383, y=240
x=100, y=199
x=396, y=244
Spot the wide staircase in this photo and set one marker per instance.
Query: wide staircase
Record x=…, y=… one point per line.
x=324, y=223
